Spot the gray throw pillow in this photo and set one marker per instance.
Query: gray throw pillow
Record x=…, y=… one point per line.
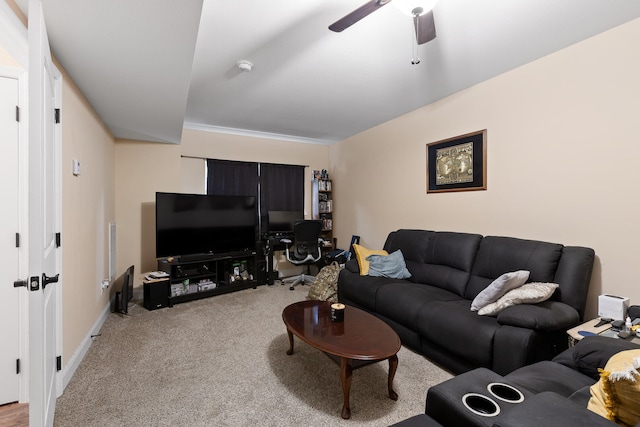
x=529, y=293
x=392, y=266
x=499, y=287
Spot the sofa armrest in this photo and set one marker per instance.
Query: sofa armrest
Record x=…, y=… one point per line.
x=591, y=353
x=550, y=409
x=352, y=266
x=545, y=316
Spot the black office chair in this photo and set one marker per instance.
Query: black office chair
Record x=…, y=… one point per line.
x=305, y=249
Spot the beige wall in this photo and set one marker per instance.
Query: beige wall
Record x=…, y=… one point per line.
x=562, y=145
x=143, y=168
x=88, y=204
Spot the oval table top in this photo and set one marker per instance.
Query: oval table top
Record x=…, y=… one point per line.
x=361, y=336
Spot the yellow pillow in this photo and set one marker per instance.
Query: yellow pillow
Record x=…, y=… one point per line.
x=617, y=395
x=362, y=253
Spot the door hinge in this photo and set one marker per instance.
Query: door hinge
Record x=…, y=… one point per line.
x=59, y=363
x=17, y=366
x=57, y=115
x=17, y=240
x=17, y=113
x=58, y=240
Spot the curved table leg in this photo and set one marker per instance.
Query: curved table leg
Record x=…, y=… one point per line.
x=393, y=365
x=345, y=378
x=290, y=351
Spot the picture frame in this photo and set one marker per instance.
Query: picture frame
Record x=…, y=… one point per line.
x=458, y=163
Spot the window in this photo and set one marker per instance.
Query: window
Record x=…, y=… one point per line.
x=278, y=187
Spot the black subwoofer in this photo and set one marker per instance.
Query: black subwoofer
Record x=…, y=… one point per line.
x=156, y=294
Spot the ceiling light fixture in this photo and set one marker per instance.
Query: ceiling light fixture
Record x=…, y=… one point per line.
x=415, y=8
x=245, y=65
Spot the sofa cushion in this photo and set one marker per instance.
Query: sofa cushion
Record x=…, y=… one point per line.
x=458, y=330
x=616, y=396
x=498, y=255
x=392, y=266
x=530, y=293
x=581, y=396
x=550, y=410
x=362, y=254
x=402, y=301
x=360, y=290
x=549, y=376
x=545, y=316
x=446, y=261
x=499, y=287
x=413, y=244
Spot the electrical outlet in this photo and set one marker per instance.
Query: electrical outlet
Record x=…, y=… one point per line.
x=104, y=285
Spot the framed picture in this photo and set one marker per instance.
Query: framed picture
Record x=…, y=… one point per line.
x=458, y=163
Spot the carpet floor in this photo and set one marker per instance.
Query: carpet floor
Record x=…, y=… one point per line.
x=222, y=361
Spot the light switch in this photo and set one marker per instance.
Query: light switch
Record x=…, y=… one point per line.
x=76, y=167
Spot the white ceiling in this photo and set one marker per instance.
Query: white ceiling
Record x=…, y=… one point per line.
x=148, y=66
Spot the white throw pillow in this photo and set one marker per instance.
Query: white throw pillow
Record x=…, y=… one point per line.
x=499, y=287
x=529, y=293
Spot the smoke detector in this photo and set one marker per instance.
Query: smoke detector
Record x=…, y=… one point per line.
x=245, y=65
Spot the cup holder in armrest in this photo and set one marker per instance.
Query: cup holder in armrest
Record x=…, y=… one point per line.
x=505, y=392
x=481, y=405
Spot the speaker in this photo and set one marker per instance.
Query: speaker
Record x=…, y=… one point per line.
x=261, y=263
x=261, y=271
x=156, y=294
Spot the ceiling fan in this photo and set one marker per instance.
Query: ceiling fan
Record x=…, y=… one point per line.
x=420, y=10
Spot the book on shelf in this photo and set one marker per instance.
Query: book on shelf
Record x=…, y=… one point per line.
x=326, y=206
x=324, y=185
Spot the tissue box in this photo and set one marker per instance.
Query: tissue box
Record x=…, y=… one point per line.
x=613, y=306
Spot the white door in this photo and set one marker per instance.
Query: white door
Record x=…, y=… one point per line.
x=9, y=226
x=44, y=203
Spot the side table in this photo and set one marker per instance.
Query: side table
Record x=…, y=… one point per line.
x=590, y=326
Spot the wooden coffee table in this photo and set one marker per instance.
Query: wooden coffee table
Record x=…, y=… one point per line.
x=360, y=340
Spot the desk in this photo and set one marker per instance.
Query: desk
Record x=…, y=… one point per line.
x=274, y=243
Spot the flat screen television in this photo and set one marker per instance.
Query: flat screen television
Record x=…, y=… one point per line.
x=192, y=224
x=281, y=222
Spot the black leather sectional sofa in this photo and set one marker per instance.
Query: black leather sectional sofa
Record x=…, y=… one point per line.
x=553, y=393
x=431, y=310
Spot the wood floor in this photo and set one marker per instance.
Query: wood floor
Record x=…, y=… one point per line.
x=14, y=415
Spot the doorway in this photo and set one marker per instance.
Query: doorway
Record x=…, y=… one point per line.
x=10, y=361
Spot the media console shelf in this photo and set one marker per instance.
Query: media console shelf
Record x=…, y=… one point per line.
x=195, y=277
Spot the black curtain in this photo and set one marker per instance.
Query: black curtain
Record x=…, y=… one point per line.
x=231, y=178
x=281, y=187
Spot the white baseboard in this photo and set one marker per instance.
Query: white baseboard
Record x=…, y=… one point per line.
x=71, y=367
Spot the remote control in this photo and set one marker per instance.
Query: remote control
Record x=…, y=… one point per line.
x=604, y=321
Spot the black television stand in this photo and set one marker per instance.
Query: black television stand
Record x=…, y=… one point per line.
x=198, y=276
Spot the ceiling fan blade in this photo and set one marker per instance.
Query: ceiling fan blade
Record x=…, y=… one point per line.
x=425, y=27
x=357, y=15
